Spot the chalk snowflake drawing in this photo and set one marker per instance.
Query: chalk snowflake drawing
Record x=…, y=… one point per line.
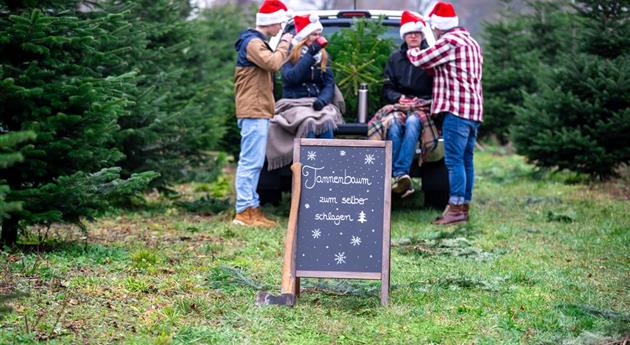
x=342, y=153
x=362, y=219
x=307, y=206
x=369, y=158
x=355, y=241
x=311, y=155
x=316, y=233
x=340, y=258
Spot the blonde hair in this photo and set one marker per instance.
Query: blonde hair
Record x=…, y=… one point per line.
x=297, y=52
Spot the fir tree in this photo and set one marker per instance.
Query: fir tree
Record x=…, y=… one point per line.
x=52, y=83
x=172, y=122
x=517, y=48
x=359, y=56
x=9, y=157
x=580, y=119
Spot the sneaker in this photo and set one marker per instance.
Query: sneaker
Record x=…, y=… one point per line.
x=402, y=184
x=260, y=216
x=246, y=218
x=407, y=193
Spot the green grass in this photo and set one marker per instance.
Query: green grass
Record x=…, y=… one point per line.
x=543, y=261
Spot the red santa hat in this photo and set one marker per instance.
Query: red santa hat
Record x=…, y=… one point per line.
x=305, y=25
x=271, y=12
x=443, y=16
x=410, y=22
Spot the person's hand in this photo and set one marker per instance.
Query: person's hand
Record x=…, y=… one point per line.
x=286, y=37
x=314, y=48
x=318, y=105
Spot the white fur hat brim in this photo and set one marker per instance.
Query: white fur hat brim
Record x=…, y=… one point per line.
x=444, y=23
x=264, y=19
x=307, y=30
x=410, y=27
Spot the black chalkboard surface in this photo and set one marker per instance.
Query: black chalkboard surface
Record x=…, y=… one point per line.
x=343, y=226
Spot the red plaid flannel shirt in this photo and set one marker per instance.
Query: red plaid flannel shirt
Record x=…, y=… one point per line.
x=456, y=60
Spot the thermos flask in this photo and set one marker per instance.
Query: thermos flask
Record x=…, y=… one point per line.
x=362, y=107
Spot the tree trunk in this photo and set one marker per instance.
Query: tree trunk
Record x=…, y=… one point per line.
x=9, y=231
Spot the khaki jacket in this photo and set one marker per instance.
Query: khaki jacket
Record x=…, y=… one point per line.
x=253, y=77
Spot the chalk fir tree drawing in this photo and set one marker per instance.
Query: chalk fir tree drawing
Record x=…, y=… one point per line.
x=362, y=218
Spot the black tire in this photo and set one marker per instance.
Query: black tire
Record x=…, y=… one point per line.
x=435, y=184
x=272, y=183
x=270, y=196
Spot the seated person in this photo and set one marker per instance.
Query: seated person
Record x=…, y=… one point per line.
x=407, y=90
x=306, y=109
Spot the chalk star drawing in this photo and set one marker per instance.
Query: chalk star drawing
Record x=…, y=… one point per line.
x=311, y=155
x=340, y=258
x=369, y=158
x=362, y=219
x=356, y=241
x=342, y=153
x=316, y=233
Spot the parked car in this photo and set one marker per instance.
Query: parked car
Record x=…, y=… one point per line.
x=433, y=172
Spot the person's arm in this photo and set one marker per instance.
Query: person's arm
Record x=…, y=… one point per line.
x=259, y=53
x=298, y=73
x=328, y=90
x=430, y=58
x=390, y=92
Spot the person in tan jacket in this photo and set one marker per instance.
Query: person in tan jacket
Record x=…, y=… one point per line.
x=253, y=84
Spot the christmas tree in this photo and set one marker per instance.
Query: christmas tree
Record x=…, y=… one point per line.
x=580, y=118
x=52, y=83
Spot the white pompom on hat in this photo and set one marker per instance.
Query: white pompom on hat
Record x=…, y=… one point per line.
x=271, y=12
x=410, y=22
x=304, y=26
x=443, y=16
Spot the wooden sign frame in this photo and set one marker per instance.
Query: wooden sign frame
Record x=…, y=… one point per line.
x=384, y=275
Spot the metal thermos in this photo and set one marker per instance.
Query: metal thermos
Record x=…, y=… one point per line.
x=362, y=107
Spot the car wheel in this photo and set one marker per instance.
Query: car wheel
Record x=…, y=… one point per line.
x=435, y=184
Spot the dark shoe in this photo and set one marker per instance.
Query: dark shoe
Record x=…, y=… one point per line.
x=407, y=193
x=466, y=208
x=453, y=214
x=402, y=184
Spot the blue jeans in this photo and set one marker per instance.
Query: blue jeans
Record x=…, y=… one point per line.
x=250, y=161
x=460, y=137
x=328, y=134
x=404, y=142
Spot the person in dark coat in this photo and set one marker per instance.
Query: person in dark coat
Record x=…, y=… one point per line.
x=406, y=85
x=308, y=72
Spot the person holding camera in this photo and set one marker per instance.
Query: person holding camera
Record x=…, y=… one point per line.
x=457, y=61
x=253, y=85
x=306, y=109
x=407, y=91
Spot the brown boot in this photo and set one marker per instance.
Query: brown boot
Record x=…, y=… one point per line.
x=453, y=214
x=259, y=215
x=466, y=207
x=246, y=218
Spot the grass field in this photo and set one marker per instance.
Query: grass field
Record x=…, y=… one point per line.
x=544, y=260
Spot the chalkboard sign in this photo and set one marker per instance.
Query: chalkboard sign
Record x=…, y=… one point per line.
x=343, y=221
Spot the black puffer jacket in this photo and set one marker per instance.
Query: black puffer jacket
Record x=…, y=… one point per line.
x=403, y=78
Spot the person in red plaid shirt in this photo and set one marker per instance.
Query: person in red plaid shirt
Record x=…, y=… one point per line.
x=456, y=61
